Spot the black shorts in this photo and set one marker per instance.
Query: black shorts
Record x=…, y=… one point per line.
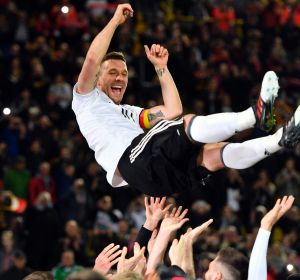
x=162, y=161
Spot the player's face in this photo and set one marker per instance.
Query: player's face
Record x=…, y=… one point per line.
x=113, y=79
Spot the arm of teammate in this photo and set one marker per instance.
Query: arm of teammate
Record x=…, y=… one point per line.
x=170, y=224
x=172, y=107
x=88, y=76
x=190, y=238
x=258, y=260
x=155, y=211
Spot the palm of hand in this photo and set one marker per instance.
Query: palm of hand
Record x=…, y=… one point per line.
x=156, y=213
x=279, y=209
x=171, y=223
x=176, y=251
x=129, y=264
x=175, y=219
x=103, y=264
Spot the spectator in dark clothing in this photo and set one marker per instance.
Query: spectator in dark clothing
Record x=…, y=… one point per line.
x=13, y=136
x=42, y=229
x=263, y=190
x=200, y=212
x=44, y=131
x=3, y=157
x=52, y=110
x=76, y=204
x=36, y=155
x=19, y=269
x=64, y=179
x=38, y=79
x=6, y=250
x=74, y=239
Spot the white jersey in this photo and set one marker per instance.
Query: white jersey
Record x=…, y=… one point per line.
x=107, y=127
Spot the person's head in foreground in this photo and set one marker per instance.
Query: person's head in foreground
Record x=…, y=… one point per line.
x=163, y=272
x=39, y=275
x=229, y=264
x=86, y=274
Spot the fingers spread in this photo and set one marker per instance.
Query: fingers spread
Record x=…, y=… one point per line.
x=112, y=250
x=146, y=198
x=166, y=209
x=183, y=213
x=183, y=221
x=115, y=261
x=136, y=248
x=112, y=257
x=177, y=214
x=173, y=212
x=151, y=200
x=162, y=201
x=107, y=248
x=124, y=252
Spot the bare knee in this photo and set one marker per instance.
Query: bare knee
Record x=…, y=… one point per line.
x=187, y=122
x=210, y=156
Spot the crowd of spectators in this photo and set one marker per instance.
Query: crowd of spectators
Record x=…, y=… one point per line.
x=55, y=203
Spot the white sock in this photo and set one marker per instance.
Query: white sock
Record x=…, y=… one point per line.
x=219, y=127
x=248, y=153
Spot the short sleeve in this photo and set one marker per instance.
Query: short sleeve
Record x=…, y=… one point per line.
x=81, y=100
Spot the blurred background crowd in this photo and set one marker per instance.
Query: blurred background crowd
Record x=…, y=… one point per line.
x=54, y=197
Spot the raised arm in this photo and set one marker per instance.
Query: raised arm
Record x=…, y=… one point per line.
x=88, y=76
x=172, y=107
x=191, y=237
x=258, y=260
x=170, y=224
x=155, y=211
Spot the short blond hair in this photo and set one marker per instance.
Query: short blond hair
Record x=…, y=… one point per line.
x=115, y=56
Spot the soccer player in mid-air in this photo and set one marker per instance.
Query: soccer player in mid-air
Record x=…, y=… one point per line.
x=161, y=160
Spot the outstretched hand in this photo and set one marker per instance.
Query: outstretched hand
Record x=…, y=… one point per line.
x=107, y=258
x=133, y=262
x=280, y=208
x=192, y=234
x=157, y=55
x=155, y=211
x=174, y=220
x=177, y=250
x=122, y=12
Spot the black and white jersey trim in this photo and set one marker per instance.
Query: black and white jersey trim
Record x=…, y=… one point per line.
x=127, y=114
x=159, y=127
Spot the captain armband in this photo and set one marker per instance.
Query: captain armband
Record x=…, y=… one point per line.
x=144, y=119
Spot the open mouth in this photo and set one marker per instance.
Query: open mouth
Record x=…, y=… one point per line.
x=116, y=89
